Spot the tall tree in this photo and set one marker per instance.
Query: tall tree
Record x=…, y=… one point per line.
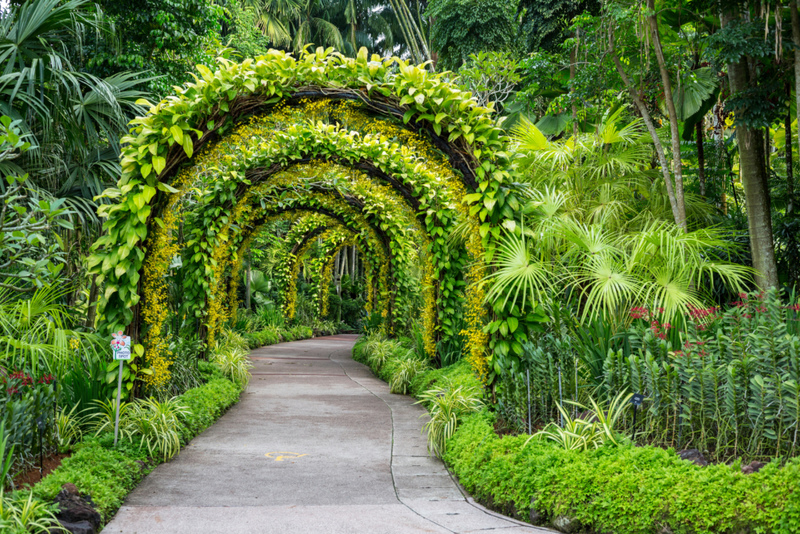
x=742, y=76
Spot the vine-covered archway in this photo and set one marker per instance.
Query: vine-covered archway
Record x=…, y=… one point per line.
x=389, y=149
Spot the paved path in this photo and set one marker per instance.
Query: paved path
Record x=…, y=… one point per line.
x=316, y=445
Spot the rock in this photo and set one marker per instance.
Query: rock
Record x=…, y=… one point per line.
x=566, y=525
x=753, y=467
x=535, y=517
x=81, y=527
x=76, y=512
x=693, y=455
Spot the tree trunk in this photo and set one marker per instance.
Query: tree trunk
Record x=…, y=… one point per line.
x=680, y=219
x=92, y=311
x=796, y=38
x=248, y=276
x=754, y=177
x=572, y=59
x=789, y=161
x=701, y=158
x=648, y=122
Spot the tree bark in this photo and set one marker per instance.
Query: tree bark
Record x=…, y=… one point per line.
x=793, y=6
x=572, y=59
x=789, y=163
x=701, y=158
x=248, y=277
x=754, y=177
x=92, y=311
x=648, y=122
x=680, y=219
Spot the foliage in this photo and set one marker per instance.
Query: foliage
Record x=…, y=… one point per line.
x=626, y=489
x=20, y=513
x=464, y=27
x=68, y=427
x=26, y=402
x=491, y=76
x=167, y=37
x=446, y=407
x=590, y=431
x=105, y=474
x=156, y=425
x=205, y=404
x=404, y=373
x=108, y=474
x=234, y=364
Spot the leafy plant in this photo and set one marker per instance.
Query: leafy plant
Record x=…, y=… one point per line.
x=234, y=364
x=68, y=427
x=404, y=372
x=156, y=425
x=21, y=513
x=105, y=416
x=446, y=405
x=584, y=433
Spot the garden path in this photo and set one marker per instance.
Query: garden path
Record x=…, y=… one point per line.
x=317, y=444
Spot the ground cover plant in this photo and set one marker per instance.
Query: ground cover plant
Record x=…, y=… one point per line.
x=597, y=201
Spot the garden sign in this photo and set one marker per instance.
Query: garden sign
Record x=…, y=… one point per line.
x=121, y=347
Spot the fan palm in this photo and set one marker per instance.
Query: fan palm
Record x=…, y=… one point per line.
x=594, y=226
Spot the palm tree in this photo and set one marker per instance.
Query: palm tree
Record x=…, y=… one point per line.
x=73, y=120
x=596, y=228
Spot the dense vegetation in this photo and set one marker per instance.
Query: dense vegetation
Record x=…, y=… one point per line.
x=569, y=202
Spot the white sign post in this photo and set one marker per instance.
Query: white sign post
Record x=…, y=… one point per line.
x=121, y=347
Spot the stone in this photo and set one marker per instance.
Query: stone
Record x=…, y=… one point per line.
x=535, y=517
x=753, y=467
x=81, y=527
x=566, y=525
x=694, y=456
x=76, y=511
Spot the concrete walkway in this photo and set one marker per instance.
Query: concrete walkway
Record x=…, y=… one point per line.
x=316, y=445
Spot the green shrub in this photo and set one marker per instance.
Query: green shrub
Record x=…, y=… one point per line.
x=235, y=365
x=205, y=404
x=403, y=372
x=625, y=490
x=107, y=475
x=156, y=425
x=21, y=513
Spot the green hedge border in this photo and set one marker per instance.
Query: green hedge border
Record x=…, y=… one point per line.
x=623, y=490
x=108, y=474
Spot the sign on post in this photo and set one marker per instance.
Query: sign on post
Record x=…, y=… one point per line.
x=121, y=347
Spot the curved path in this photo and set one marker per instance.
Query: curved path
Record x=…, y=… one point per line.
x=318, y=445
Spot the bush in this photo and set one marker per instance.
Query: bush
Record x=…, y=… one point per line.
x=107, y=474
x=235, y=365
x=625, y=490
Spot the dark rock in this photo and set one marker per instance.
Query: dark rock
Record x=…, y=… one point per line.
x=76, y=511
x=566, y=525
x=753, y=467
x=81, y=527
x=693, y=455
x=535, y=517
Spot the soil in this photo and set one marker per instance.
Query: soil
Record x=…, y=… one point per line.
x=31, y=476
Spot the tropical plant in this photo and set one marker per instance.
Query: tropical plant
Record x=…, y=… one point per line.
x=404, y=372
x=68, y=427
x=234, y=363
x=103, y=418
x=589, y=432
x=445, y=406
x=156, y=425
x=20, y=513
x=6, y=456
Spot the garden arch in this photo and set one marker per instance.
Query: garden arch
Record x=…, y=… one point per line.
x=467, y=184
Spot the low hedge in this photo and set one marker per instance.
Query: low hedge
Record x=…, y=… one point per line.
x=272, y=335
x=109, y=473
x=624, y=490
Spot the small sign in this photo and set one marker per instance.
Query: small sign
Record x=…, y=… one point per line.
x=121, y=346
x=637, y=399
